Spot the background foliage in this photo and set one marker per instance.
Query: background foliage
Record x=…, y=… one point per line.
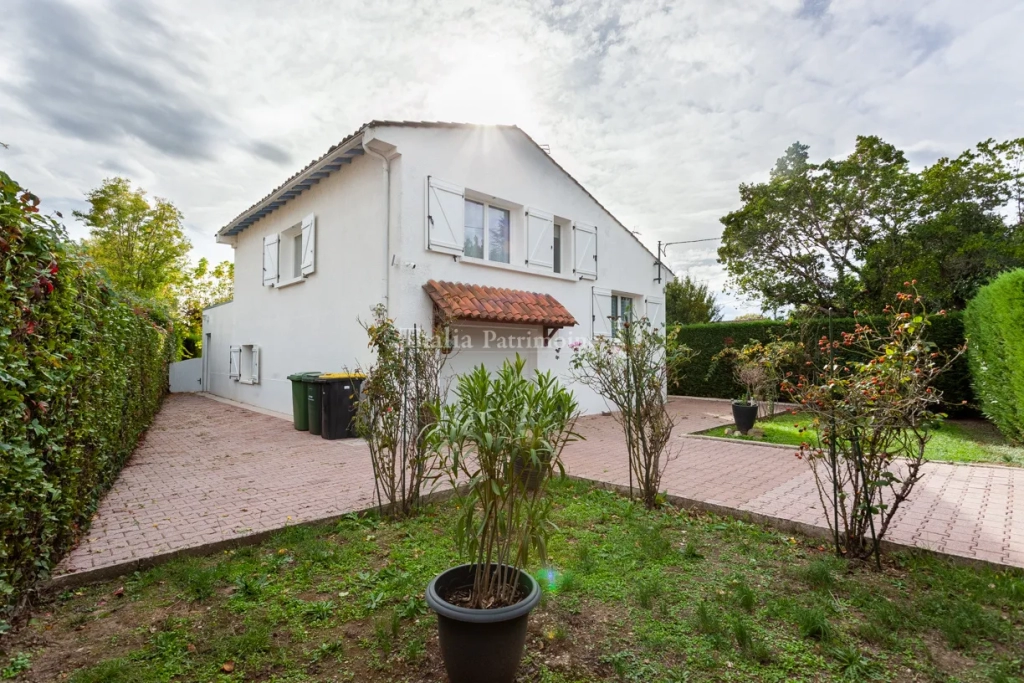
x=995, y=326
x=82, y=372
x=688, y=301
x=704, y=377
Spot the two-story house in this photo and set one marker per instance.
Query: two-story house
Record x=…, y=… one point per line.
x=477, y=224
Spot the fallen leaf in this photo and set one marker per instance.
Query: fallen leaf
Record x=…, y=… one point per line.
x=119, y=593
x=228, y=667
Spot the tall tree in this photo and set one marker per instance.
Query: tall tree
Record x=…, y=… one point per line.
x=847, y=233
x=688, y=301
x=141, y=244
x=201, y=287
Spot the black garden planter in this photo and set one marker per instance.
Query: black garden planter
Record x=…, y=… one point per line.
x=745, y=415
x=480, y=645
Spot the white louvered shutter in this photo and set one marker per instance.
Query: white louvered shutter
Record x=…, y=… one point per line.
x=255, y=365
x=602, y=312
x=656, y=311
x=308, y=244
x=234, y=362
x=540, y=240
x=446, y=211
x=271, y=271
x=585, y=250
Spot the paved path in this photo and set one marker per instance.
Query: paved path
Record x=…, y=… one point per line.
x=210, y=473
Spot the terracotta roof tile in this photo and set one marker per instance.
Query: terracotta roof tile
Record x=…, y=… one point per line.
x=459, y=301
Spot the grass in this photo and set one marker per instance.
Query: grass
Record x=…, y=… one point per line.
x=954, y=441
x=630, y=596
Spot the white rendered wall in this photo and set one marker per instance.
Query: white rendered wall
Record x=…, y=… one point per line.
x=186, y=376
x=312, y=325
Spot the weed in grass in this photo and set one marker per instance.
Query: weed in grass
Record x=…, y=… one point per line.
x=745, y=596
x=852, y=664
x=413, y=607
x=255, y=640
x=586, y=562
x=706, y=620
x=195, y=579
x=250, y=587
x=691, y=551
x=320, y=610
x=1007, y=672
x=385, y=631
x=964, y=621
x=375, y=601
x=760, y=652
x=875, y=634
x=653, y=543
x=741, y=631
x=819, y=574
x=648, y=590
x=17, y=664
x=113, y=671
x=814, y=623
x=569, y=583
x=414, y=650
x=334, y=649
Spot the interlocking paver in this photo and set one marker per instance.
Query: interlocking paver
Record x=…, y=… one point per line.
x=208, y=472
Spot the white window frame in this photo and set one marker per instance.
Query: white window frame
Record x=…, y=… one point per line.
x=249, y=364
x=513, y=226
x=616, y=317
x=289, y=262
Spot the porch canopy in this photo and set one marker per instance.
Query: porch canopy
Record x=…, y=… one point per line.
x=477, y=303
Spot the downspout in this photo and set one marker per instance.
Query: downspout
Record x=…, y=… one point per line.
x=387, y=220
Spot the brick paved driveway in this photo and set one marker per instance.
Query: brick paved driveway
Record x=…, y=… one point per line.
x=210, y=473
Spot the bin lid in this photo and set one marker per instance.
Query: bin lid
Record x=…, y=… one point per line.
x=343, y=375
x=299, y=376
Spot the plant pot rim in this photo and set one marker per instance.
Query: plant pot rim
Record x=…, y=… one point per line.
x=482, y=616
x=743, y=403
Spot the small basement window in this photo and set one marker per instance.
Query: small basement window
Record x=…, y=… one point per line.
x=249, y=364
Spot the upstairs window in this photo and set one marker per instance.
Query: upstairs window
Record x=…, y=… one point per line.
x=487, y=232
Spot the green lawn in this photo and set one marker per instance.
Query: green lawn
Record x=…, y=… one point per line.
x=631, y=596
x=954, y=441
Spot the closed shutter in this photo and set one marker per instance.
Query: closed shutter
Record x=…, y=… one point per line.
x=234, y=361
x=255, y=364
x=540, y=240
x=585, y=250
x=271, y=271
x=655, y=311
x=602, y=312
x=308, y=244
x=446, y=210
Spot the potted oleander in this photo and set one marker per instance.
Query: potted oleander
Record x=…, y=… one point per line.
x=493, y=423
x=744, y=411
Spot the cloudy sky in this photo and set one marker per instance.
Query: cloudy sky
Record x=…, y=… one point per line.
x=660, y=108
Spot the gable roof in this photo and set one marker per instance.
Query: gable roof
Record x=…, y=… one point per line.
x=343, y=152
x=458, y=301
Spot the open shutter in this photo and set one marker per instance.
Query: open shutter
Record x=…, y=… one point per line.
x=234, y=361
x=255, y=365
x=540, y=240
x=602, y=312
x=655, y=311
x=271, y=271
x=446, y=211
x=308, y=244
x=585, y=250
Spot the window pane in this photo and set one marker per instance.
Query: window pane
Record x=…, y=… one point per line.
x=497, y=234
x=474, y=246
x=556, y=253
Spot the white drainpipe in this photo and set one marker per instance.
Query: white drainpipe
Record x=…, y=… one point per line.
x=387, y=217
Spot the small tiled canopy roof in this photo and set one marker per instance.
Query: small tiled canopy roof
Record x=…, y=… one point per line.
x=457, y=301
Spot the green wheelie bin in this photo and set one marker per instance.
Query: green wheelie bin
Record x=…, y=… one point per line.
x=300, y=400
x=314, y=400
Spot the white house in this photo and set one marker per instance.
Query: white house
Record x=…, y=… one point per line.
x=478, y=221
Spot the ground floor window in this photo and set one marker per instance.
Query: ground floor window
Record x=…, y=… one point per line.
x=622, y=311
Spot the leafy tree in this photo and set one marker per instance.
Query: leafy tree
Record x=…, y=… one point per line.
x=846, y=234
x=688, y=301
x=201, y=287
x=140, y=244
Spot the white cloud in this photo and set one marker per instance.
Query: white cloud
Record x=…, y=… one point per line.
x=660, y=108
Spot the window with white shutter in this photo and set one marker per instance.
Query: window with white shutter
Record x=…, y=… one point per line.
x=249, y=364
x=445, y=217
x=602, y=312
x=540, y=240
x=585, y=251
x=656, y=311
x=271, y=270
x=234, y=361
x=308, y=245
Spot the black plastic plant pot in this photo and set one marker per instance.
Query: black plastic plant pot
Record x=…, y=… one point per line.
x=745, y=415
x=480, y=645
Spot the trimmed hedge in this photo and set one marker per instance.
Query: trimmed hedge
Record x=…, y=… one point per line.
x=701, y=379
x=82, y=373
x=995, y=325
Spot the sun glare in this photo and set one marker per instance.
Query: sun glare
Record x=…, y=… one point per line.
x=484, y=89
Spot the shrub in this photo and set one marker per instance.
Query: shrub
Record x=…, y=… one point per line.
x=704, y=376
x=82, y=372
x=995, y=327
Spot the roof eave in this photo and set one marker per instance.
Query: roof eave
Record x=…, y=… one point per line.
x=333, y=161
